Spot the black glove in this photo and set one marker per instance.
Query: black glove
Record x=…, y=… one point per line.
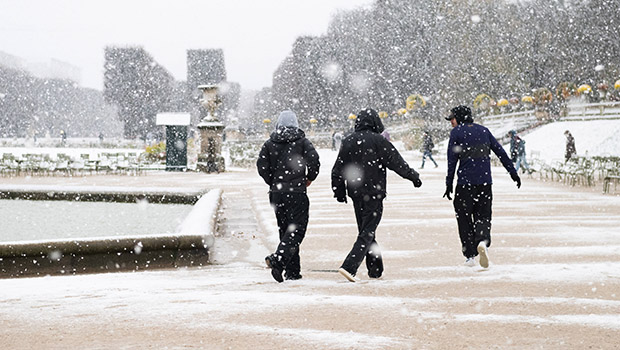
x=448, y=192
x=417, y=183
x=515, y=177
x=342, y=199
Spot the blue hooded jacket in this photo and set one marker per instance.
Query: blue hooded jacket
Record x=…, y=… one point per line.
x=470, y=145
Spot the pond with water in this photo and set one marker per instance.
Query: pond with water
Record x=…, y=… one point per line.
x=24, y=220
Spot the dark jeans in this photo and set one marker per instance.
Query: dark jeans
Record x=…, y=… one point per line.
x=291, y=210
x=368, y=214
x=472, y=204
x=428, y=154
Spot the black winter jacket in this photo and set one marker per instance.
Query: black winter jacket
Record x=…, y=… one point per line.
x=287, y=160
x=364, y=156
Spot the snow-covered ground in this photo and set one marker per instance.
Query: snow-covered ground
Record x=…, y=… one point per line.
x=553, y=284
x=592, y=138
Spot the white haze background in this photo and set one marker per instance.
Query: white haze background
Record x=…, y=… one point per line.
x=255, y=35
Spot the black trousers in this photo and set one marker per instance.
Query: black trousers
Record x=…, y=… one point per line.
x=472, y=205
x=368, y=214
x=291, y=210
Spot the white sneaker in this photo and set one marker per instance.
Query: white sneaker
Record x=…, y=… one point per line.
x=471, y=262
x=347, y=275
x=484, y=254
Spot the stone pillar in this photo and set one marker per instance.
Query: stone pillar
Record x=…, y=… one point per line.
x=211, y=132
x=209, y=158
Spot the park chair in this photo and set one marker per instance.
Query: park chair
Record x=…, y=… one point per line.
x=90, y=165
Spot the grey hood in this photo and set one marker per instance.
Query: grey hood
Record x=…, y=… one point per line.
x=287, y=128
x=287, y=119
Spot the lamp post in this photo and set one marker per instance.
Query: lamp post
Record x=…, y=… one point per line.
x=352, y=118
x=211, y=131
x=267, y=123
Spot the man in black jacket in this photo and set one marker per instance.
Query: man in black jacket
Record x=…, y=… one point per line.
x=360, y=172
x=288, y=163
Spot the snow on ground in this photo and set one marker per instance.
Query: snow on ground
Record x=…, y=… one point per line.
x=553, y=282
x=202, y=219
x=592, y=138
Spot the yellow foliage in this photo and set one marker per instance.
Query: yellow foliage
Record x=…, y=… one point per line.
x=415, y=101
x=584, y=89
x=527, y=99
x=482, y=101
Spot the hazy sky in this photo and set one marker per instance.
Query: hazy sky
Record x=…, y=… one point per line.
x=254, y=34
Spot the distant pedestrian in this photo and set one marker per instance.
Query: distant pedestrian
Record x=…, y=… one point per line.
x=288, y=163
x=513, y=146
x=63, y=137
x=470, y=146
x=100, y=137
x=360, y=172
x=571, y=150
x=517, y=152
x=337, y=140
x=427, y=148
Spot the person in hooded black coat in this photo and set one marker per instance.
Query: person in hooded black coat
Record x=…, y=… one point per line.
x=570, y=146
x=288, y=163
x=360, y=172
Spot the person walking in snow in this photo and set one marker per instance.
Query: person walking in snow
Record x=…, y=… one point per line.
x=470, y=146
x=570, y=146
x=360, y=172
x=337, y=140
x=288, y=163
x=517, y=152
x=427, y=149
x=63, y=137
x=513, y=145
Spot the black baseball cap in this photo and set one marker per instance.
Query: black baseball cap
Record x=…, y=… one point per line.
x=460, y=113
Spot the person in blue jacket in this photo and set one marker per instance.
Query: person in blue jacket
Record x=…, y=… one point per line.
x=470, y=146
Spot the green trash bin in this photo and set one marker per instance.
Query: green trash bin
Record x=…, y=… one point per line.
x=176, y=139
x=176, y=148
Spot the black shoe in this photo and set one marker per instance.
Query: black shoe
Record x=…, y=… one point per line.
x=293, y=277
x=276, y=273
x=268, y=261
